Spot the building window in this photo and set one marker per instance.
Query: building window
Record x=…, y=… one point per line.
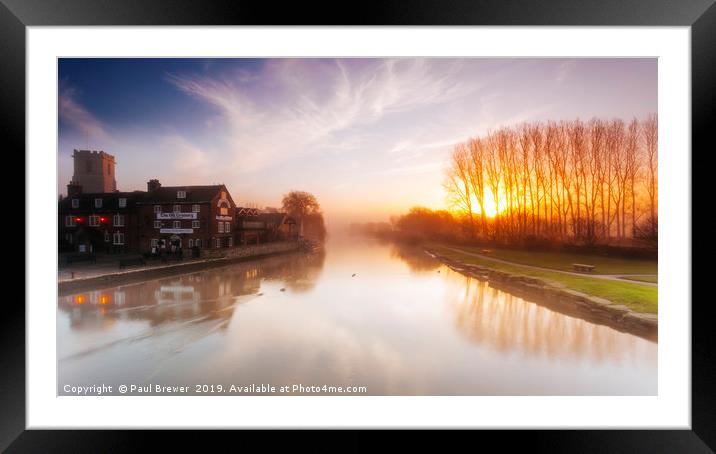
x=218, y=242
x=224, y=211
x=197, y=243
x=181, y=194
x=70, y=221
x=75, y=203
x=191, y=242
x=106, y=236
x=195, y=225
x=119, y=220
x=196, y=208
x=68, y=237
x=157, y=208
x=157, y=224
x=98, y=203
x=221, y=227
x=94, y=221
x=177, y=208
x=231, y=242
x=118, y=238
x=154, y=242
x=227, y=227
x=177, y=224
x=122, y=202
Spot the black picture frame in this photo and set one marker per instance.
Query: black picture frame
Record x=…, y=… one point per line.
x=700, y=15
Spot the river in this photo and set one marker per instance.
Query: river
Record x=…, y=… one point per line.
x=376, y=318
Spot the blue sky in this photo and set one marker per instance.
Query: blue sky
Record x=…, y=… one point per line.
x=369, y=137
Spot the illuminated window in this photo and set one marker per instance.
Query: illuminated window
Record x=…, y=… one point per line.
x=94, y=221
x=122, y=202
x=195, y=224
x=157, y=208
x=153, y=242
x=181, y=194
x=75, y=203
x=118, y=220
x=196, y=208
x=118, y=238
x=224, y=211
x=70, y=221
x=157, y=224
x=98, y=203
x=177, y=224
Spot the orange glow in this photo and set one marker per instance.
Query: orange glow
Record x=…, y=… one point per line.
x=104, y=299
x=491, y=210
x=79, y=299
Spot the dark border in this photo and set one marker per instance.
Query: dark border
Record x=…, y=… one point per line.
x=15, y=15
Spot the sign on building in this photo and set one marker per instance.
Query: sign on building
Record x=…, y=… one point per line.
x=177, y=231
x=176, y=215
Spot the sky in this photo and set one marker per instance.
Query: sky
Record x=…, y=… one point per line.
x=368, y=137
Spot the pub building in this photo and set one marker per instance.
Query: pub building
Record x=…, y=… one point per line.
x=185, y=217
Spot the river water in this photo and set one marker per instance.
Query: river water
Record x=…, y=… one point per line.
x=385, y=319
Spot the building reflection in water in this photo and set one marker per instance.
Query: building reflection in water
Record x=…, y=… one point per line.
x=210, y=295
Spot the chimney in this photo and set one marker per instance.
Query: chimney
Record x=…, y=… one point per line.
x=74, y=188
x=153, y=185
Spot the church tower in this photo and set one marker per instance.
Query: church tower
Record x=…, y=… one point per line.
x=94, y=171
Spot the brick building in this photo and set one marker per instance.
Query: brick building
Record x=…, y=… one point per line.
x=185, y=216
x=124, y=222
x=98, y=221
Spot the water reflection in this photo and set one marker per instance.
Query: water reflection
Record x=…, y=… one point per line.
x=387, y=317
x=510, y=324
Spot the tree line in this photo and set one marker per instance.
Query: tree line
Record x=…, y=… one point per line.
x=570, y=181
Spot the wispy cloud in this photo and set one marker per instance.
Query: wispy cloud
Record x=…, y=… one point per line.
x=293, y=107
x=78, y=118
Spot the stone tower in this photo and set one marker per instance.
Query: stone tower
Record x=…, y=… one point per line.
x=94, y=171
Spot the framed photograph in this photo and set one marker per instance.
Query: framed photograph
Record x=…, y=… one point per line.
x=424, y=217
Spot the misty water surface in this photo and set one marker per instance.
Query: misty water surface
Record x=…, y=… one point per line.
x=403, y=325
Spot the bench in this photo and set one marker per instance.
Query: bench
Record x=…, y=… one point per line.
x=81, y=258
x=129, y=261
x=580, y=267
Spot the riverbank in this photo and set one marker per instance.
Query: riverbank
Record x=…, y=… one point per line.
x=113, y=277
x=564, y=297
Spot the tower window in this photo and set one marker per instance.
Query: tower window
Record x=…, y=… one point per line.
x=98, y=203
x=75, y=203
x=122, y=202
x=181, y=194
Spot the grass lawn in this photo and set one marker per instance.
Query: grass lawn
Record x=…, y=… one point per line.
x=640, y=298
x=563, y=261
